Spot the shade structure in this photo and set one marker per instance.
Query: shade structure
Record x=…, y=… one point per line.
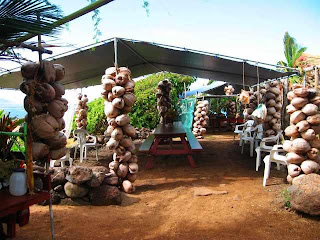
x=85, y=66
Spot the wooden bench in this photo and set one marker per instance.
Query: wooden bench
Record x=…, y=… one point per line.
x=147, y=144
x=193, y=142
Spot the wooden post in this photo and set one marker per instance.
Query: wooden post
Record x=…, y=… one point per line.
x=115, y=46
x=285, y=115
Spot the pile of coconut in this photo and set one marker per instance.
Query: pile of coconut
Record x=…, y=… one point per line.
x=310, y=78
x=228, y=90
x=272, y=97
x=45, y=103
x=118, y=91
x=231, y=108
x=82, y=112
x=163, y=98
x=201, y=118
x=303, y=146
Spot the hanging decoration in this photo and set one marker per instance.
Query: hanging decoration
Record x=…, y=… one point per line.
x=201, y=119
x=303, y=146
x=82, y=111
x=163, y=99
x=118, y=91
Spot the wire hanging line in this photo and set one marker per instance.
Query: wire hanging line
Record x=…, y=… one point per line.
x=243, y=75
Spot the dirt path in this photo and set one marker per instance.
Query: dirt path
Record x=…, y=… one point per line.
x=164, y=206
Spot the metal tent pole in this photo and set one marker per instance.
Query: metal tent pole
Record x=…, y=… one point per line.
x=115, y=44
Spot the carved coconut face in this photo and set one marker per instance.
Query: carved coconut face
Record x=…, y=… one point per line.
x=121, y=79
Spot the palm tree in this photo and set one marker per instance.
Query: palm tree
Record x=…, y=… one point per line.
x=20, y=17
x=292, y=51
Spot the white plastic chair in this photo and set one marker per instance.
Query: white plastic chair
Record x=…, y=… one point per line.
x=266, y=148
x=62, y=160
x=276, y=157
x=81, y=137
x=252, y=135
x=240, y=128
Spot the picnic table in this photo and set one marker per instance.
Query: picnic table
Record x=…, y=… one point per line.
x=165, y=135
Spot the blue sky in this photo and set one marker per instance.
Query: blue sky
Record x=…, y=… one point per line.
x=246, y=29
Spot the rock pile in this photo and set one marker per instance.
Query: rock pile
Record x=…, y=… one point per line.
x=303, y=146
x=118, y=91
x=44, y=101
x=82, y=112
x=163, y=99
x=85, y=185
x=200, y=118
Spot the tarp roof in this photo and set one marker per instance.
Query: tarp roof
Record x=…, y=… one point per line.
x=84, y=67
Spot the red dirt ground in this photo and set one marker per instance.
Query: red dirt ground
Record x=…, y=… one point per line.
x=164, y=205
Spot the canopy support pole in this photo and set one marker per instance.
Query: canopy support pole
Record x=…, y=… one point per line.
x=316, y=78
x=115, y=44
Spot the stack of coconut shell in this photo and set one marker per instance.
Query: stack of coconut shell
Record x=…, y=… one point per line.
x=229, y=90
x=303, y=146
x=272, y=97
x=163, y=99
x=82, y=112
x=231, y=109
x=310, y=78
x=45, y=103
x=201, y=119
x=118, y=91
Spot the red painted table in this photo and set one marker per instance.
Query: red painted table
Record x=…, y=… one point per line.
x=15, y=210
x=164, y=135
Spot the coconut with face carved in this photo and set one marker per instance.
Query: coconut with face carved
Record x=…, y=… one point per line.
x=118, y=92
x=45, y=104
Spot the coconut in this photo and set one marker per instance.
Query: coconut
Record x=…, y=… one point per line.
x=294, y=170
x=129, y=99
x=28, y=70
x=313, y=154
x=131, y=148
x=39, y=150
x=314, y=120
x=112, y=144
x=122, y=170
x=107, y=83
x=291, y=95
x=133, y=168
x=315, y=143
x=126, y=109
x=61, y=123
x=57, y=108
x=295, y=158
x=299, y=102
x=126, y=141
x=114, y=165
x=270, y=95
x=129, y=130
x=111, y=71
x=287, y=145
x=118, y=91
x=310, y=109
x=122, y=119
x=129, y=86
x=59, y=153
x=308, y=134
x=49, y=71
x=117, y=134
x=315, y=100
x=291, y=131
x=127, y=186
x=300, y=145
x=121, y=79
x=60, y=72
x=301, y=92
x=44, y=92
x=309, y=166
x=45, y=126
x=58, y=88
x=131, y=177
x=37, y=107
x=57, y=142
x=291, y=109
x=302, y=126
x=110, y=111
x=297, y=116
x=118, y=103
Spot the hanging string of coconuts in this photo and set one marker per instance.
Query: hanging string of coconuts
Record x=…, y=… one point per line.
x=163, y=99
x=303, y=146
x=272, y=97
x=229, y=90
x=45, y=103
x=82, y=112
x=118, y=91
x=249, y=100
x=200, y=119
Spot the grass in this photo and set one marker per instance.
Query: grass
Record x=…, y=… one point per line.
x=287, y=198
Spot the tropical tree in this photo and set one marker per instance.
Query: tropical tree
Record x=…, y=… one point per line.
x=292, y=51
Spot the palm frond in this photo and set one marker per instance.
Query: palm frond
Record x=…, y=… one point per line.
x=20, y=17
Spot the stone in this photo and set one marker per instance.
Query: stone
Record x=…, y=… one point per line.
x=58, y=176
x=97, y=179
x=79, y=175
x=98, y=169
x=74, y=202
x=202, y=191
x=54, y=198
x=62, y=195
x=305, y=194
x=111, y=181
x=219, y=192
x=58, y=188
x=74, y=190
x=105, y=195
